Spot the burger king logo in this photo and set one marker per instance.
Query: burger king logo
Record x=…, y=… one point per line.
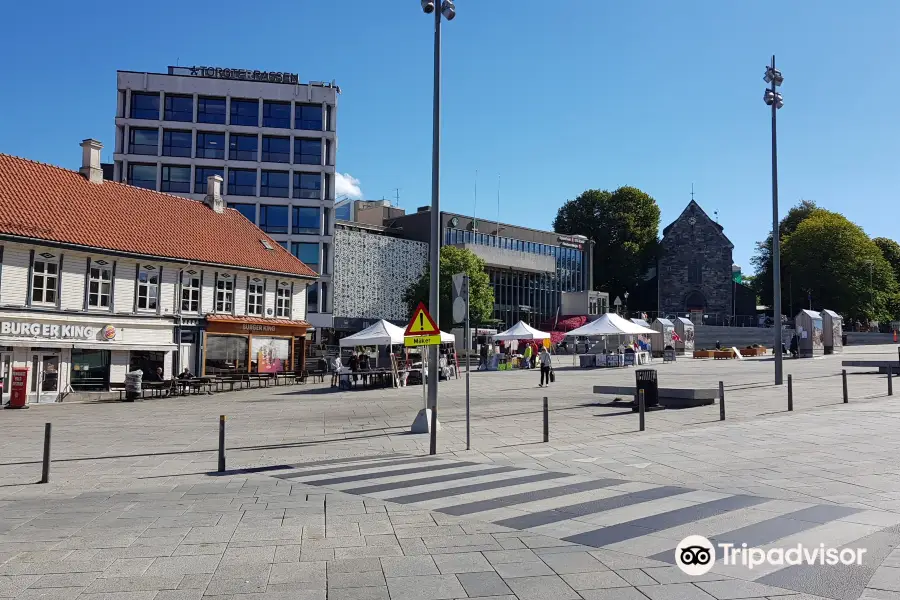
x=109, y=332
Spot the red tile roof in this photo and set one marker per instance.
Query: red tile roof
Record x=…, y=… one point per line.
x=255, y=320
x=50, y=203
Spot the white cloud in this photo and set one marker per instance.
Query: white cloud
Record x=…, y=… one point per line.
x=346, y=184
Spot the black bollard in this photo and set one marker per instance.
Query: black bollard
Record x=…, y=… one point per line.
x=641, y=408
x=721, y=401
x=890, y=371
x=432, y=450
x=221, y=443
x=546, y=420
x=844, y=377
x=790, y=393
x=45, y=471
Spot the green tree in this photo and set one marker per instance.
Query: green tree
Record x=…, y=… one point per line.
x=481, y=295
x=624, y=225
x=833, y=259
x=891, y=252
x=762, y=261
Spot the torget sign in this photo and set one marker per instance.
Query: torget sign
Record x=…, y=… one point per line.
x=244, y=74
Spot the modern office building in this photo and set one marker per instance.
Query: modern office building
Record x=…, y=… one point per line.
x=98, y=278
x=530, y=270
x=270, y=137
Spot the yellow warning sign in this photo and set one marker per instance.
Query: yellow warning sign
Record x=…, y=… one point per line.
x=422, y=340
x=421, y=324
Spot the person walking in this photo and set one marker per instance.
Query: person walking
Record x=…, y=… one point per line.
x=528, y=353
x=544, y=358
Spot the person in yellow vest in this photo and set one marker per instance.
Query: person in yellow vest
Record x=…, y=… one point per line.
x=528, y=353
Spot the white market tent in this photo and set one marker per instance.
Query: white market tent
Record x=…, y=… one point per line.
x=610, y=324
x=384, y=333
x=521, y=331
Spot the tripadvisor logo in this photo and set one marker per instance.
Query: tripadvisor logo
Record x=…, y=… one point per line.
x=695, y=555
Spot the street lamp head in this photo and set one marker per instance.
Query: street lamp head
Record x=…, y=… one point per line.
x=428, y=6
x=773, y=76
x=770, y=98
x=448, y=9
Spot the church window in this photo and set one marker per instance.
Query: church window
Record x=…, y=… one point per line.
x=695, y=272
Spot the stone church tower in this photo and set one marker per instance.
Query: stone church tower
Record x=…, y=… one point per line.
x=695, y=266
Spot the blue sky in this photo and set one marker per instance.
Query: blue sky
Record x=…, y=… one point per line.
x=554, y=97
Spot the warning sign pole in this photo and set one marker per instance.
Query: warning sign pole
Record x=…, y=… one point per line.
x=422, y=331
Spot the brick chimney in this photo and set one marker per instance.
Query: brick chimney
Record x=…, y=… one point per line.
x=214, y=193
x=90, y=161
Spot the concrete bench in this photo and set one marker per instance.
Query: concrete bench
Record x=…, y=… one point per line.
x=881, y=365
x=668, y=397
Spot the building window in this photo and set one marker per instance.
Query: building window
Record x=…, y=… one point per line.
x=148, y=288
x=328, y=159
x=305, y=220
x=245, y=112
x=342, y=213
x=241, y=182
x=210, y=145
x=277, y=114
x=695, y=272
x=324, y=294
x=226, y=354
x=224, y=293
x=211, y=110
x=327, y=179
x=248, y=210
x=307, y=151
x=202, y=175
x=274, y=184
x=177, y=143
x=283, y=302
x=308, y=116
x=176, y=179
x=326, y=225
x=312, y=298
x=99, y=284
x=45, y=280
x=325, y=268
x=242, y=147
x=90, y=372
x=143, y=141
x=308, y=253
x=179, y=108
x=145, y=106
x=273, y=219
x=142, y=176
x=276, y=149
x=190, y=292
x=307, y=185
x=255, y=298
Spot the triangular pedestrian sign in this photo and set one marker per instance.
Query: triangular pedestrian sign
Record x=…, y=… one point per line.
x=421, y=323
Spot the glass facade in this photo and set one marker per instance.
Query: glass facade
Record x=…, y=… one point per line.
x=273, y=219
x=176, y=179
x=307, y=151
x=245, y=112
x=142, y=175
x=277, y=114
x=201, y=175
x=145, y=106
x=276, y=149
x=308, y=253
x=211, y=110
x=307, y=185
x=143, y=141
x=210, y=145
x=177, y=143
x=241, y=182
x=274, y=184
x=242, y=147
x=308, y=116
x=527, y=296
x=179, y=108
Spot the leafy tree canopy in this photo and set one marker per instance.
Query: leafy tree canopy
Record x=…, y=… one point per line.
x=481, y=295
x=624, y=225
x=833, y=259
x=891, y=252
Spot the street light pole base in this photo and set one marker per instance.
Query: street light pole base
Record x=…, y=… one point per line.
x=422, y=422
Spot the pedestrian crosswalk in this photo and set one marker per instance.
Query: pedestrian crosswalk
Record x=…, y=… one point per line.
x=632, y=517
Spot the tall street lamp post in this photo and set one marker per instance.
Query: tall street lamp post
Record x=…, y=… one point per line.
x=773, y=98
x=448, y=11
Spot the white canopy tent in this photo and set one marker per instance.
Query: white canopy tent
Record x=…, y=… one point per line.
x=384, y=333
x=610, y=324
x=521, y=331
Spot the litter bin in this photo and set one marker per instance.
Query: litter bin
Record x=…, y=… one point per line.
x=133, y=385
x=646, y=380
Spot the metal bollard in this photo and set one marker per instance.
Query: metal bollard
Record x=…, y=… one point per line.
x=432, y=450
x=546, y=419
x=890, y=371
x=45, y=471
x=721, y=401
x=641, y=408
x=790, y=393
x=221, y=443
x=844, y=377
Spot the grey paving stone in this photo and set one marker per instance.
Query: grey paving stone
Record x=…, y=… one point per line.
x=368, y=552
x=365, y=579
x=523, y=569
x=64, y=580
x=483, y=584
x=470, y=562
x=886, y=578
x=220, y=586
x=370, y=593
x=572, y=562
x=11, y=585
x=195, y=549
x=354, y=565
x=246, y=555
x=405, y=566
x=141, y=595
x=177, y=595
x=613, y=594
x=51, y=593
x=425, y=587
x=593, y=581
x=636, y=577
x=542, y=588
x=195, y=581
x=290, y=592
x=511, y=556
x=125, y=567
x=675, y=591
x=133, y=584
x=306, y=573
x=184, y=565
x=736, y=588
x=671, y=574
